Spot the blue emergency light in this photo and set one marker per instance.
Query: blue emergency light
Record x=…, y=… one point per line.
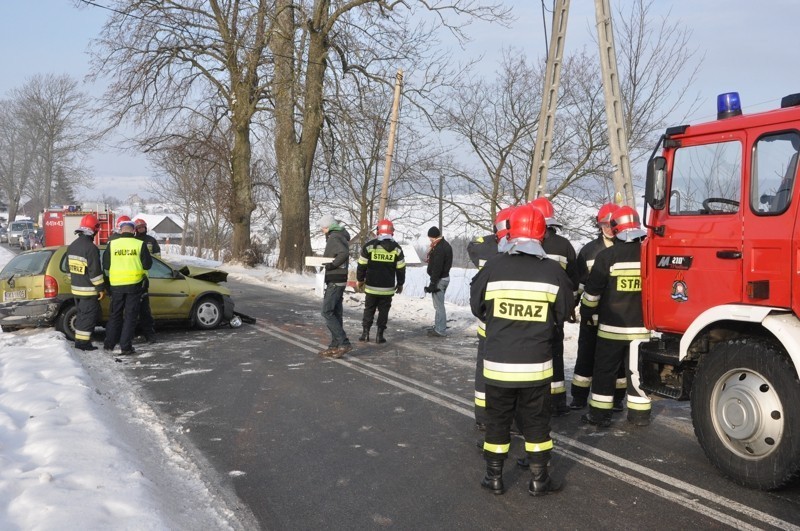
x=728, y=105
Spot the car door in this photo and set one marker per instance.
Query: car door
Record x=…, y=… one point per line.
x=169, y=292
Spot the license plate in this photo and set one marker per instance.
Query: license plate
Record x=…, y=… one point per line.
x=13, y=295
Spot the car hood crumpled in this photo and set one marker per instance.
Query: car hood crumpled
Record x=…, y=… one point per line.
x=204, y=273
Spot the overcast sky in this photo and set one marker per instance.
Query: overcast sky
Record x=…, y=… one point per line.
x=749, y=47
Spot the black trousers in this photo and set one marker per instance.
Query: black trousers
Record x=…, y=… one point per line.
x=532, y=405
x=121, y=325
x=382, y=303
x=480, y=384
x=146, y=321
x=558, y=386
x=584, y=364
x=88, y=315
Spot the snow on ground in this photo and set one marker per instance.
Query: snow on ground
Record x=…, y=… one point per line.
x=80, y=450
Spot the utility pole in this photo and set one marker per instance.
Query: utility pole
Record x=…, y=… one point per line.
x=387, y=167
x=617, y=136
x=547, y=115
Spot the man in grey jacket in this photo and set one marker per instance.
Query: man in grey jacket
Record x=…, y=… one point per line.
x=336, y=247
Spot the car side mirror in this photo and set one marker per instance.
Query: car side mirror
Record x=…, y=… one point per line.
x=655, y=189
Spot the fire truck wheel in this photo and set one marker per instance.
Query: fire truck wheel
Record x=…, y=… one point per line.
x=744, y=399
x=207, y=313
x=65, y=322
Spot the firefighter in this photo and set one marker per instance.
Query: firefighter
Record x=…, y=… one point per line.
x=480, y=250
x=140, y=226
x=523, y=298
x=86, y=276
x=126, y=259
x=558, y=248
x=613, y=292
x=587, y=336
x=146, y=321
x=380, y=263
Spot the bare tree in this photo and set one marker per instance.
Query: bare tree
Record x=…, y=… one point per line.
x=238, y=57
x=18, y=152
x=59, y=115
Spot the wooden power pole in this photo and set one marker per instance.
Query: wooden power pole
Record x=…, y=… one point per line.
x=547, y=116
x=387, y=167
x=617, y=136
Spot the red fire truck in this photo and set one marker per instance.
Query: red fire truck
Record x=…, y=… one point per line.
x=60, y=224
x=721, y=287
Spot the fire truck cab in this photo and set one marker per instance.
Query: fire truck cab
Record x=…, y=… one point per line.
x=721, y=287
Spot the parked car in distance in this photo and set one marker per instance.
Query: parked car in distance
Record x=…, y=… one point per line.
x=3, y=235
x=36, y=291
x=15, y=229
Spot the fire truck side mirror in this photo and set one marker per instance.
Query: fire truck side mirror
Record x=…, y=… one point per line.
x=655, y=189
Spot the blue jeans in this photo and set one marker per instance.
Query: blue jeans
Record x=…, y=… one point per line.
x=332, y=312
x=440, y=323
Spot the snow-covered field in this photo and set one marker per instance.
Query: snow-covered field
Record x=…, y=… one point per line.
x=80, y=450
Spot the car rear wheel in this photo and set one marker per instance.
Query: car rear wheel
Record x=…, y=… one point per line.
x=207, y=313
x=65, y=322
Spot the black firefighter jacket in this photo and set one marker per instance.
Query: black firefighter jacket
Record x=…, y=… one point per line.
x=522, y=299
x=380, y=263
x=86, y=272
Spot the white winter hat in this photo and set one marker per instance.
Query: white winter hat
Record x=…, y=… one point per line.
x=326, y=221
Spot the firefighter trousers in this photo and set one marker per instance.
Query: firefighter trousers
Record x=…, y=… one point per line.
x=557, y=386
x=584, y=366
x=480, y=384
x=532, y=406
x=87, y=317
x=382, y=303
x=611, y=360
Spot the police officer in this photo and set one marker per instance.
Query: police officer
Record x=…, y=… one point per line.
x=558, y=248
x=587, y=335
x=613, y=292
x=86, y=276
x=480, y=249
x=126, y=259
x=380, y=263
x=523, y=298
x=146, y=321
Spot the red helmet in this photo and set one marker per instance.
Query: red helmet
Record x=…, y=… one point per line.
x=385, y=226
x=543, y=205
x=501, y=223
x=89, y=223
x=527, y=222
x=139, y=222
x=123, y=219
x=625, y=219
x=605, y=212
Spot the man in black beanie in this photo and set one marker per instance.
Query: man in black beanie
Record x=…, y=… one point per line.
x=440, y=259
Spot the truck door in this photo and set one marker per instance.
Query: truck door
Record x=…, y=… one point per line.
x=697, y=262
x=770, y=219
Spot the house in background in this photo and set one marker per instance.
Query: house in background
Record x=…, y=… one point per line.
x=162, y=227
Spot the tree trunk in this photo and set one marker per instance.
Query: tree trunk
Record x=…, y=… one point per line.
x=242, y=198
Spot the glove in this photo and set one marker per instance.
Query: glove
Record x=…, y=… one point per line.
x=587, y=315
x=426, y=289
x=571, y=318
x=399, y=289
x=432, y=289
x=360, y=287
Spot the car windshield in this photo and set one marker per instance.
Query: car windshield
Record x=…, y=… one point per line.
x=26, y=264
x=20, y=226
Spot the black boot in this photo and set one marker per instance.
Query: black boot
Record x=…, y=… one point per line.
x=541, y=482
x=364, y=334
x=494, y=476
x=379, y=338
x=85, y=345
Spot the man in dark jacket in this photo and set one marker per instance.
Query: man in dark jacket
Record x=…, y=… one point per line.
x=380, y=263
x=86, y=276
x=127, y=260
x=440, y=259
x=337, y=248
x=146, y=321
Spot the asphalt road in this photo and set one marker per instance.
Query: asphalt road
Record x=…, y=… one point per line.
x=385, y=438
